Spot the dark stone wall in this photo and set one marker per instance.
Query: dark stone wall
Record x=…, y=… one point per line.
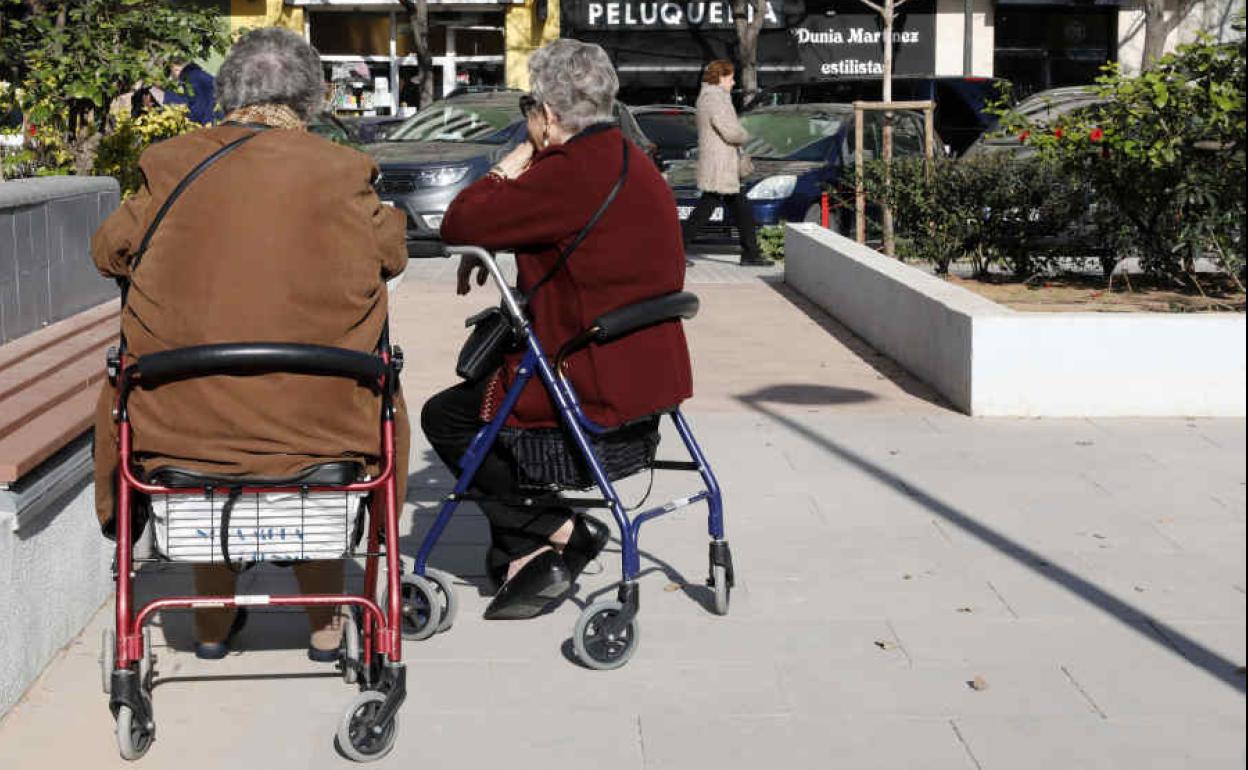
x=46, y=272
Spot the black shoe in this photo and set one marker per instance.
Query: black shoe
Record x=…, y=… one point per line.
x=539, y=583
x=323, y=656
x=589, y=537
x=218, y=650
x=755, y=262
x=211, y=650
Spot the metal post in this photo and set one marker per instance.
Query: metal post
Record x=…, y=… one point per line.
x=860, y=194
x=394, y=65
x=968, y=37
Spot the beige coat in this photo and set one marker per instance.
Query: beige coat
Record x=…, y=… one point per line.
x=720, y=136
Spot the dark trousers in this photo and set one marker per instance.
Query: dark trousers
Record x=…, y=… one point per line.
x=741, y=210
x=450, y=419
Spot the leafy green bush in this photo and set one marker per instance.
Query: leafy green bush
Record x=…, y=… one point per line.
x=65, y=62
x=989, y=209
x=1163, y=157
x=118, y=154
x=771, y=242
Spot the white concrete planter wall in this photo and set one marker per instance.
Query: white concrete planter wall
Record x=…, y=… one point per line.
x=990, y=360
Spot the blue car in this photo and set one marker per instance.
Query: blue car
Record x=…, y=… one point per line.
x=798, y=151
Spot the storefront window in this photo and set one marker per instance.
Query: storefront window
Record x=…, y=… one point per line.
x=373, y=70
x=1038, y=49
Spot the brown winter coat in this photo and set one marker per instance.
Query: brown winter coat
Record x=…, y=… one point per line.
x=720, y=136
x=283, y=240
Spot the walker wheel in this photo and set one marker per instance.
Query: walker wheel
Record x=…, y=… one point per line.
x=133, y=738
x=721, y=587
x=420, y=607
x=359, y=737
x=108, y=658
x=597, y=649
x=351, y=662
x=446, y=592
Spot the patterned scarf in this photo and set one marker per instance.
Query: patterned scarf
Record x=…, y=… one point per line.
x=275, y=115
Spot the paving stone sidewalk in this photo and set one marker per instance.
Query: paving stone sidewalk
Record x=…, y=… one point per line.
x=916, y=589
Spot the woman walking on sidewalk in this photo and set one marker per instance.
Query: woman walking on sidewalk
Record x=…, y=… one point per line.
x=720, y=137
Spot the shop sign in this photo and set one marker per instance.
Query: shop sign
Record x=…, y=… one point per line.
x=609, y=15
x=851, y=45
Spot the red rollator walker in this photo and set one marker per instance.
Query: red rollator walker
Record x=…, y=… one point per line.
x=318, y=514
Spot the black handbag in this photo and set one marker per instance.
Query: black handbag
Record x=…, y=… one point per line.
x=493, y=334
x=491, y=339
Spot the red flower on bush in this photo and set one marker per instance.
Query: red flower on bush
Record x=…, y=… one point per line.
x=1096, y=134
x=1022, y=138
x=32, y=130
x=1057, y=132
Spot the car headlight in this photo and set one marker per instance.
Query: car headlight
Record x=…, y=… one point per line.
x=773, y=188
x=442, y=176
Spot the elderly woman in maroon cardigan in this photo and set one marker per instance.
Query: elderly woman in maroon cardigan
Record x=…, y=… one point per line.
x=535, y=202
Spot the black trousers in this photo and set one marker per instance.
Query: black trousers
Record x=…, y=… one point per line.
x=449, y=420
x=741, y=210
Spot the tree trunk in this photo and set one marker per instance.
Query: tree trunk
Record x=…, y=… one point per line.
x=747, y=42
x=1157, y=28
x=418, y=21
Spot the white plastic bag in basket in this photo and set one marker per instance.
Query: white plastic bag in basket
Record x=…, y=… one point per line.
x=262, y=527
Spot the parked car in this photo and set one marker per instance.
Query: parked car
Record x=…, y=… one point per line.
x=672, y=128
x=366, y=129
x=798, y=151
x=442, y=149
x=960, y=118
x=1042, y=109
x=332, y=128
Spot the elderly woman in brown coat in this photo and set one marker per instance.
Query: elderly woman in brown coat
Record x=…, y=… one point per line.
x=720, y=137
x=283, y=240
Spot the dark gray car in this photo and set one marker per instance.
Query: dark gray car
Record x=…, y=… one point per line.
x=447, y=146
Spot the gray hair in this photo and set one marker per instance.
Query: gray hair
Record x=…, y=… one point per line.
x=272, y=66
x=576, y=80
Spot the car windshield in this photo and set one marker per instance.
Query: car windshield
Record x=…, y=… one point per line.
x=459, y=121
x=330, y=131
x=791, y=135
x=1045, y=109
x=670, y=129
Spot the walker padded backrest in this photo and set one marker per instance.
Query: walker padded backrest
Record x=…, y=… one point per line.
x=255, y=358
x=669, y=307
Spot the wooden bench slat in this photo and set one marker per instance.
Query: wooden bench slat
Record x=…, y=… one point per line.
x=23, y=449
x=28, y=374
x=17, y=351
x=48, y=393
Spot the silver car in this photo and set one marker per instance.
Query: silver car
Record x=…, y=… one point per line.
x=442, y=149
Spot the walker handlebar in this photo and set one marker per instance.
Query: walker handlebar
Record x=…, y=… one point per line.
x=244, y=358
x=491, y=266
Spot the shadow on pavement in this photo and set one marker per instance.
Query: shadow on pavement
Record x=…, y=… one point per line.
x=1167, y=637
x=882, y=364
x=813, y=395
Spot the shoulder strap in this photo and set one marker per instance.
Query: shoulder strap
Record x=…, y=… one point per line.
x=588, y=226
x=181, y=187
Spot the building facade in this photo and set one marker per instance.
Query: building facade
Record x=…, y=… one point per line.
x=660, y=46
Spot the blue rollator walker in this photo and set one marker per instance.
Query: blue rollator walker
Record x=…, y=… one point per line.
x=606, y=632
